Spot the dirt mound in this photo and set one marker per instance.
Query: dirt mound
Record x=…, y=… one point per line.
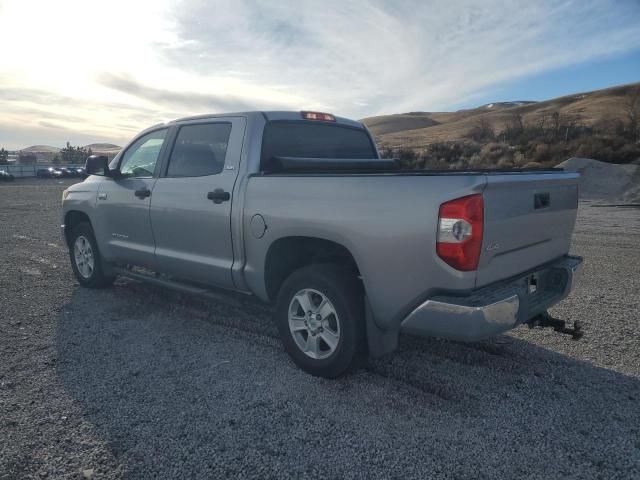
x=605, y=181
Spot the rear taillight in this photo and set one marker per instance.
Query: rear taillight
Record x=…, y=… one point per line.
x=460, y=224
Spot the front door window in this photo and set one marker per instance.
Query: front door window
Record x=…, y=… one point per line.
x=140, y=159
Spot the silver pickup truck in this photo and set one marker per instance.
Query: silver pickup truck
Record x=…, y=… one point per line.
x=299, y=209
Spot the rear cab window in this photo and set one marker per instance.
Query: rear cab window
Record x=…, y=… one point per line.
x=306, y=139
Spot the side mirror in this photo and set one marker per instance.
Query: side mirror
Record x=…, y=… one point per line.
x=97, y=165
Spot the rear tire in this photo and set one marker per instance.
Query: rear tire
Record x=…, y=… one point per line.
x=86, y=261
x=320, y=317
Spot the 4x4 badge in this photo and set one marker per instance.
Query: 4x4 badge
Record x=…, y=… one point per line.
x=492, y=246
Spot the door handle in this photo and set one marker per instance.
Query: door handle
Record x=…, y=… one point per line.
x=541, y=200
x=219, y=196
x=142, y=193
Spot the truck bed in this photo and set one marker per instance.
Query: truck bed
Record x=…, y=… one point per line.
x=388, y=220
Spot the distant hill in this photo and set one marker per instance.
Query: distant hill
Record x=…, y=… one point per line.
x=99, y=147
x=602, y=125
x=399, y=123
x=597, y=109
x=103, y=146
x=47, y=154
x=40, y=149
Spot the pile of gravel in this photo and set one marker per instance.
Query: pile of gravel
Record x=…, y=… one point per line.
x=605, y=181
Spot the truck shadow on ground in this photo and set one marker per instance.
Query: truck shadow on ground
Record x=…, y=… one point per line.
x=180, y=384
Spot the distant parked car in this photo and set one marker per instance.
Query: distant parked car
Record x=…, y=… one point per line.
x=73, y=172
x=51, y=172
x=6, y=176
x=68, y=172
x=44, y=172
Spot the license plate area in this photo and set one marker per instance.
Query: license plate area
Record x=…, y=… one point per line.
x=545, y=282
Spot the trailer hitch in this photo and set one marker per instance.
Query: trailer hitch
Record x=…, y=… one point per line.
x=545, y=320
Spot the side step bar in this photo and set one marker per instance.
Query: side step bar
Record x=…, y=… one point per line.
x=178, y=286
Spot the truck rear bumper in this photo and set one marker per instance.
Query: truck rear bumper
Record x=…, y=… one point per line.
x=496, y=308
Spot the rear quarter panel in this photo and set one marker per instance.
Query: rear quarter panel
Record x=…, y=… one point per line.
x=387, y=222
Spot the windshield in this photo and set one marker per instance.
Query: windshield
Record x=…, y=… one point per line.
x=306, y=139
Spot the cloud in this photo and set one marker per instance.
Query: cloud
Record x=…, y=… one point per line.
x=356, y=58
x=15, y=136
x=62, y=118
x=366, y=57
x=207, y=102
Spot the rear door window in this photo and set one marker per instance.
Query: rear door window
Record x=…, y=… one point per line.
x=306, y=139
x=199, y=150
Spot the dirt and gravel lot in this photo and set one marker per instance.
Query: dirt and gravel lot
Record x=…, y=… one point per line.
x=138, y=382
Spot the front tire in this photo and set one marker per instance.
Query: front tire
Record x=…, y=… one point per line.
x=319, y=314
x=85, y=258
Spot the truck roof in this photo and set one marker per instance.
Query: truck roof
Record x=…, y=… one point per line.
x=268, y=115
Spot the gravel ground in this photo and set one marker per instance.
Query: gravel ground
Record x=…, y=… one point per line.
x=138, y=382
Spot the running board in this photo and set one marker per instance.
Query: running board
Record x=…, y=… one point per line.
x=178, y=286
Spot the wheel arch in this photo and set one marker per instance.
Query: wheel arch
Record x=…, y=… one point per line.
x=73, y=218
x=288, y=254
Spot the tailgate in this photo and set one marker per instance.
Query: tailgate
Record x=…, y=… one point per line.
x=528, y=221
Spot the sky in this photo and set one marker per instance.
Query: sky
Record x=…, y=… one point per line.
x=93, y=71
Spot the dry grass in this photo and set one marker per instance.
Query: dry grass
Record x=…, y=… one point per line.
x=599, y=109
